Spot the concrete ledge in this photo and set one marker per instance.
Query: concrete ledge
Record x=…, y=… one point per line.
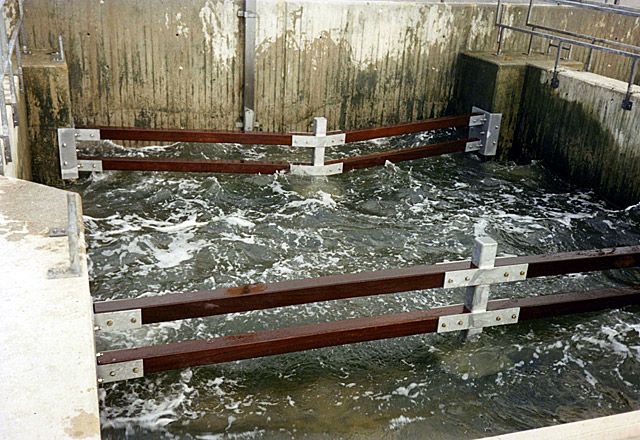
x=48, y=388
x=618, y=427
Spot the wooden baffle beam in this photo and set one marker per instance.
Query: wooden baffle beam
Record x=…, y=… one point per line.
x=366, y=134
x=401, y=155
x=264, y=138
x=197, y=136
x=186, y=165
x=177, y=306
x=286, y=340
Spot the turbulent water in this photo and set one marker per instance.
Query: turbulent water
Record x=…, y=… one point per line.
x=154, y=233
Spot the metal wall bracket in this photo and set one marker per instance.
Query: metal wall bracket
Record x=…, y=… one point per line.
x=313, y=170
x=486, y=276
x=90, y=165
x=118, y=321
x=67, y=148
x=120, y=371
x=68, y=153
x=73, y=237
x=488, y=132
x=479, y=320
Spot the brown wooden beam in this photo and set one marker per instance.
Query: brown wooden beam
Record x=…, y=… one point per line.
x=401, y=155
x=264, y=138
x=186, y=165
x=200, y=136
x=286, y=340
x=411, y=127
x=177, y=306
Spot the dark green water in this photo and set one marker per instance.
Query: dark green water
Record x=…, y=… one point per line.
x=154, y=233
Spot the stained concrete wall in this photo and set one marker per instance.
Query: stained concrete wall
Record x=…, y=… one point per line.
x=581, y=131
x=178, y=63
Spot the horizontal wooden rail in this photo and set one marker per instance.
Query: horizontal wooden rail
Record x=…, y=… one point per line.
x=401, y=155
x=198, y=136
x=285, y=293
x=264, y=138
x=286, y=340
x=188, y=165
x=255, y=167
x=411, y=127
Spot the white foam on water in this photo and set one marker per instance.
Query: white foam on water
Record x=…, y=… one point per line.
x=401, y=421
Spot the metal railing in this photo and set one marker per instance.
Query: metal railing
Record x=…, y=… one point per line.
x=562, y=36
x=10, y=46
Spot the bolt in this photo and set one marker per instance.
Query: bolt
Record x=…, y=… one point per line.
x=443, y=325
x=522, y=272
x=66, y=163
x=513, y=316
x=133, y=320
x=64, y=144
x=91, y=135
x=498, y=318
x=497, y=126
x=136, y=370
x=506, y=274
x=96, y=328
x=450, y=281
x=77, y=134
x=460, y=322
x=98, y=354
x=466, y=278
x=93, y=166
x=112, y=373
x=109, y=323
x=100, y=380
x=495, y=142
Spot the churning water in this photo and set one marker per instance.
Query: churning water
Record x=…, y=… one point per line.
x=154, y=233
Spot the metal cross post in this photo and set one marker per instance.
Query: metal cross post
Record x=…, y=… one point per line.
x=484, y=256
x=319, y=129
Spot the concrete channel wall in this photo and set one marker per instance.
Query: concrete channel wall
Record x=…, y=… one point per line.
x=578, y=129
x=178, y=63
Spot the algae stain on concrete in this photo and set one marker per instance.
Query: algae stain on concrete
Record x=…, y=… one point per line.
x=83, y=425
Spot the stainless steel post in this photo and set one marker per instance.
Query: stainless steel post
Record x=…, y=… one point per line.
x=477, y=298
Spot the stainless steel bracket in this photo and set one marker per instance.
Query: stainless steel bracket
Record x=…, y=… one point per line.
x=67, y=148
x=118, y=321
x=68, y=153
x=90, y=165
x=312, y=141
x=485, y=276
x=316, y=170
x=73, y=237
x=479, y=320
x=486, y=128
x=120, y=371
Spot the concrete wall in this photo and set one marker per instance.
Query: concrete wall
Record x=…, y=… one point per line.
x=581, y=131
x=178, y=63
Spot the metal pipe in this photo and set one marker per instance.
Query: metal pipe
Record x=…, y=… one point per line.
x=72, y=233
x=584, y=36
x=248, y=93
x=627, y=104
x=571, y=41
x=555, y=82
x=621, y=10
